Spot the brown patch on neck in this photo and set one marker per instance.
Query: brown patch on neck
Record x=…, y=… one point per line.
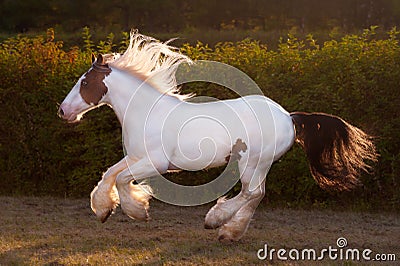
x=92, y=86
x=238, y=147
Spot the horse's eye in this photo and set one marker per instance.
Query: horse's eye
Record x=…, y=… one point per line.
x=84, y=82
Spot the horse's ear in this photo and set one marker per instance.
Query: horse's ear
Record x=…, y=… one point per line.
x=93, y=58
x=100, y=60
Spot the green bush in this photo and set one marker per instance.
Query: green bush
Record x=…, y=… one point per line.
x=356, y=78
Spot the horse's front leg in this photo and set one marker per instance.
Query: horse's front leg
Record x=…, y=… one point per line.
x=104, y=197
x=134, y=198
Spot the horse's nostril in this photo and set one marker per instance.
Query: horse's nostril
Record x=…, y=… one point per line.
x=60, y=112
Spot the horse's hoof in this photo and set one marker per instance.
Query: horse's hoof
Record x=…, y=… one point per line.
x=139, y=214
x=104, y=218
x=224, y=239
x=211, y=221
x=207, y=226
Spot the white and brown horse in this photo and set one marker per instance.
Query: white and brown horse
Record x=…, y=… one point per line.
x=162, y=131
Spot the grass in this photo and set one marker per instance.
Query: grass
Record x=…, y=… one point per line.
x=53, y=231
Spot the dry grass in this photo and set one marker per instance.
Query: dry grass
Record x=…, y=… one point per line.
x=51, y=231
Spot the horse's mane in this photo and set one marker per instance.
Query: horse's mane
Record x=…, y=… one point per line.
x=153, y=61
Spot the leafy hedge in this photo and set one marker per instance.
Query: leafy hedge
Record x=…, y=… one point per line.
x=356, y=77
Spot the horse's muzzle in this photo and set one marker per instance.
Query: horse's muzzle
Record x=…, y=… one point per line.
x=60, y=112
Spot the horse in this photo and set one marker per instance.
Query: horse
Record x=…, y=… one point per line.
x=163, y=131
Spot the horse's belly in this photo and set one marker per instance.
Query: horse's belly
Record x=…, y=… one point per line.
x=200, y=152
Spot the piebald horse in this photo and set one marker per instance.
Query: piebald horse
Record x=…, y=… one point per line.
x=158, y=135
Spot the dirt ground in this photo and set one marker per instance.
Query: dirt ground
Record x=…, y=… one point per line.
x=52, y=231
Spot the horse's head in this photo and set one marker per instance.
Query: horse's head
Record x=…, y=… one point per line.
x=87, y=93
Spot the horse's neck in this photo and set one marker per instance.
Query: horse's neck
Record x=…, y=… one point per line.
x=130, y=94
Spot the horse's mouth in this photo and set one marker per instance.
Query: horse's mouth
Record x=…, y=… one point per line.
x=71, y=118
x=74, y=119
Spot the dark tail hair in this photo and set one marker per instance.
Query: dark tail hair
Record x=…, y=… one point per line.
x=336, y=150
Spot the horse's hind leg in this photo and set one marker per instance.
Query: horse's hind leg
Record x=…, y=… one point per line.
x=104, y=197
x=223, y=211
x=237, y=226
x=234, y=214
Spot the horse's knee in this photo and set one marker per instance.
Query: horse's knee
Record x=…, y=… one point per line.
x=119, y=181
x=123, y=179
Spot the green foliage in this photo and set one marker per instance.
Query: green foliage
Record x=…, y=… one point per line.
x=355, y=77
x=87, y=40
x=107, y=45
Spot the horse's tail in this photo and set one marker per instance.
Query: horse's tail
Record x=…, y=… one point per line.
x=336, y=150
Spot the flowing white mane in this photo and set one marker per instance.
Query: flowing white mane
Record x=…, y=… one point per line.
x=153, y=61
